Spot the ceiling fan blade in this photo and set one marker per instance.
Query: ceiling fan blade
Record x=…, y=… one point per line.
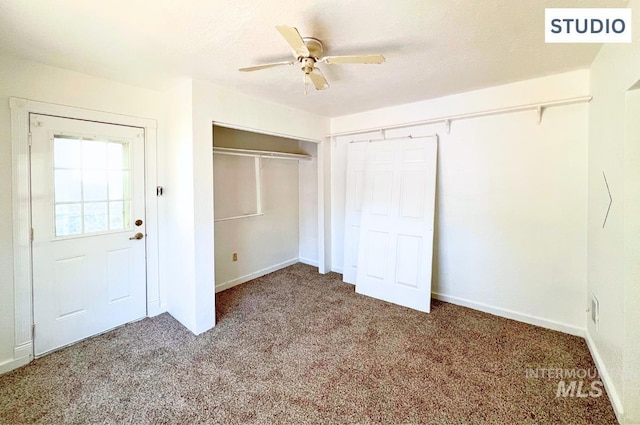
x=318, y=79
x=264, y=66
x=292, y=36
x=354, y=59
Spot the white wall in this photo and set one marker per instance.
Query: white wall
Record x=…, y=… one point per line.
x=263, y=243
x=48, y=84
x=219, y=104
x=177, y=268
x=511, y=202
x=211, y=104
x=631, y=371
x=614, y=251
x=193, y=178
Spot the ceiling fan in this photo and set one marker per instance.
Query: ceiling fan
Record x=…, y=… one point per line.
x=308, y=51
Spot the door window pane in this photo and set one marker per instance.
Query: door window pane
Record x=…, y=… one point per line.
x=67, y=153
x=68, y=219
x=119, y=185
x=94, y=154
x=68, y=186
x=92, y=185
x=95, y=217
x=117, y=156
x=119, y=215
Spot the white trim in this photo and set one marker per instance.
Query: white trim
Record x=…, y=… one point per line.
x=24, y=350
x=255, y=275
x=510, y=314
x=258, y=174
x=10, y=365
x=324, y=206
x=23, y=317
x=65, y=111
x=20, y=110
x=616, y=401
x=337, y=270
x=154, y=308
x=308, y=261
x=154, y=296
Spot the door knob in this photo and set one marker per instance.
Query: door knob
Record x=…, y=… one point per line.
x=136, y=236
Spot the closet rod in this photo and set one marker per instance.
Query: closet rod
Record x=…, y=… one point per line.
x=260, y=154
x=539, y=107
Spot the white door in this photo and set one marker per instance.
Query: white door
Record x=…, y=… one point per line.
x=396, y=231
x=356, y=160
x=87, y=195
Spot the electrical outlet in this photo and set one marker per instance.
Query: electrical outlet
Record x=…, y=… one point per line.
x=235, y=256
x=595, y=310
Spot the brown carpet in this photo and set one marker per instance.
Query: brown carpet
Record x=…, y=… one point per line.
x=297, y=347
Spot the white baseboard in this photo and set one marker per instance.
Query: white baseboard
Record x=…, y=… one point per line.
x=22, y=355
x=24, y=350
x=154, y=309
x=10, y=365
x=308, y=261
x=242, y=279
x=616, y=402
x=510, y=314
x=337, y=269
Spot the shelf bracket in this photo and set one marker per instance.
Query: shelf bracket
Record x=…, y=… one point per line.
x=540, y=111
x=447, y=124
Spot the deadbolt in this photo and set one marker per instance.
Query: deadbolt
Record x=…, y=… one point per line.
x=136, y=236
x=138, y=222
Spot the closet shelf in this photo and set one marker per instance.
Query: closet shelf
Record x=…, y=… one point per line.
x=261, y=154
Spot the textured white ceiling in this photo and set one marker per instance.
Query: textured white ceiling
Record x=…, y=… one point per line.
x=433, y=47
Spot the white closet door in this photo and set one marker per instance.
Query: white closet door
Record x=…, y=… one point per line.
x=356, y=161
x=396, y=230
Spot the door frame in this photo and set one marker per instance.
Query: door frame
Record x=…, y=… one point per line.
x=21, y=207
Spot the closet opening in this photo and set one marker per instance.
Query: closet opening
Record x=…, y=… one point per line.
x=265, y=204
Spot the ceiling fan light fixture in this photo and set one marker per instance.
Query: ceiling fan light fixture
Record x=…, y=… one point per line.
x=307, y=65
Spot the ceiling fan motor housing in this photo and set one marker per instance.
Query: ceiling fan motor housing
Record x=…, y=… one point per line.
x=316, y=51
